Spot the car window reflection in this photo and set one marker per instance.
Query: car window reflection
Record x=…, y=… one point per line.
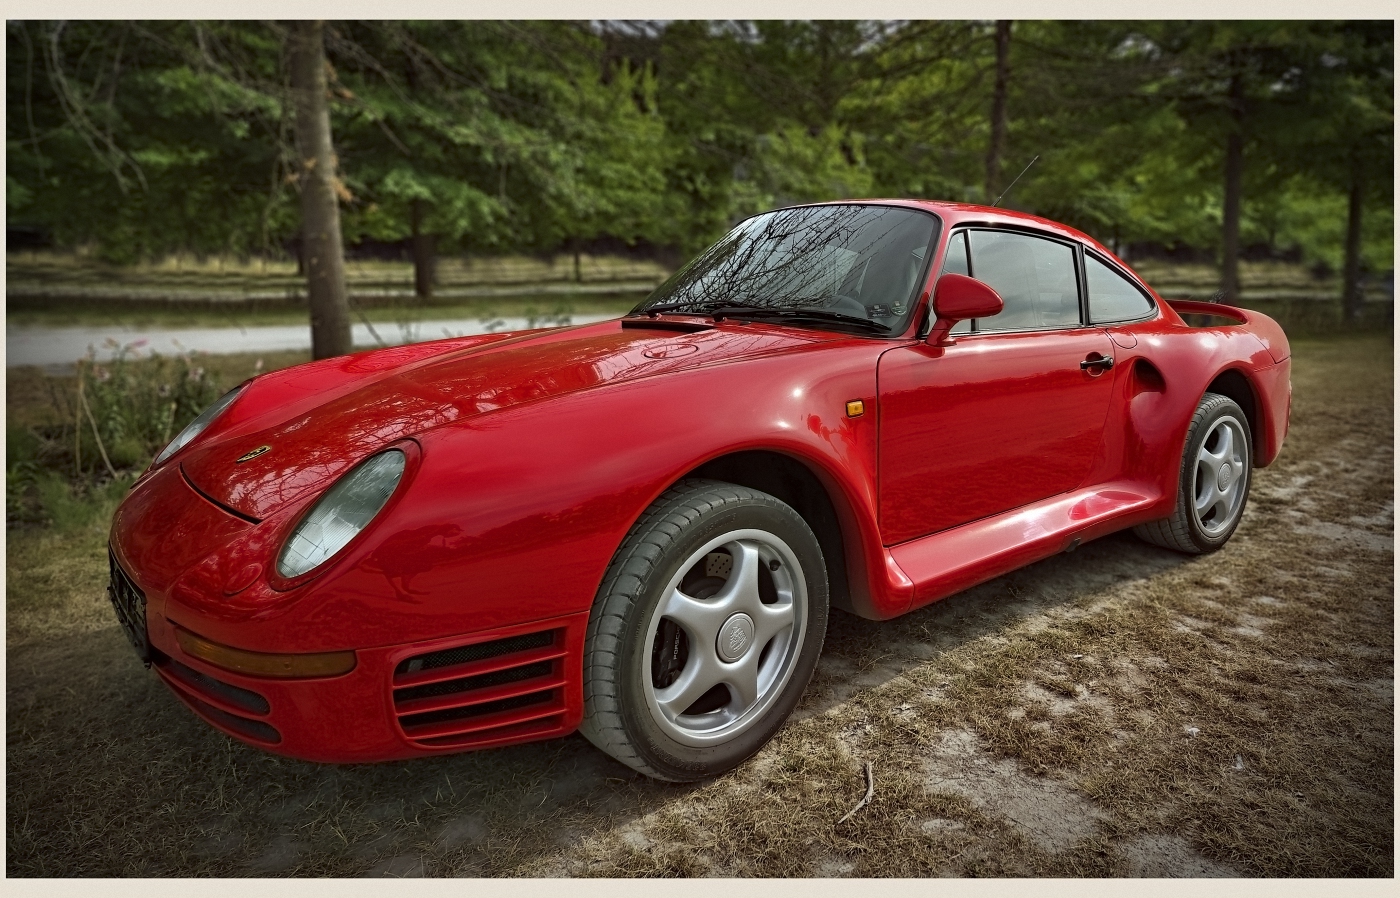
x=858, y=260
x=1035, y=278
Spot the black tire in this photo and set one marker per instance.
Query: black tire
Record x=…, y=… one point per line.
x=626, y=661
x=1186, y=530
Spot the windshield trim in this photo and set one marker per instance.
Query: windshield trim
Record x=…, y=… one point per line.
x=914, y=315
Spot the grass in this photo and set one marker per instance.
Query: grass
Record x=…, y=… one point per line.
x=1122, y=710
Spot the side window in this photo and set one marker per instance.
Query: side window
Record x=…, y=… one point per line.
x=956, y=263
x=1112, y=297
x=1035, y=277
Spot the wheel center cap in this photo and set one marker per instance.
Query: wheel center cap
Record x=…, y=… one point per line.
x=1222, y=480
x=734, y=638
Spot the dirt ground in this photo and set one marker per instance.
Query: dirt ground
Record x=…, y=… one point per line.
x=1118, y=711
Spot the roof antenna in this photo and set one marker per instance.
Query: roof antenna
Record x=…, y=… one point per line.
x=1013, y=183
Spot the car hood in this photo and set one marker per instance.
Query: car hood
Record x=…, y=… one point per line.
x=320, y=419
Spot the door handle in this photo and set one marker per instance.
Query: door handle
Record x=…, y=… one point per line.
x=1104, y=362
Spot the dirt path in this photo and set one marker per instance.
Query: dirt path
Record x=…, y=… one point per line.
x=1119, y=711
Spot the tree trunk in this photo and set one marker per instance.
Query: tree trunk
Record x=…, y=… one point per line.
x=320, y=211
x=994, y=149
x=1351, y=270
x=423, y=247
x=1234, y=186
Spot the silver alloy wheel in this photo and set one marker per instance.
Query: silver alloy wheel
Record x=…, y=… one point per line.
x=1222, y=473
x=732, y=637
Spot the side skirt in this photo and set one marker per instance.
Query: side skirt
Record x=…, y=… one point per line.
x=944, y=563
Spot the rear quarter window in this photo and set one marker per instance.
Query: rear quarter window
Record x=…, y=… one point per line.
x=1113, y=297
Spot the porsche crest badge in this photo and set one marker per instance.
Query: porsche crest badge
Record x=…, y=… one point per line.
x=252, y=455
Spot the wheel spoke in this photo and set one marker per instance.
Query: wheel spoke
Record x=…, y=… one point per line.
x=1226, y=449
x=700, y=676
x=769, y=621
x=701, y=619
x=1205, y=493
x=1210, y=463
x=1227, y=442
x=1222, y=508
x=743, y=681
x=740, y=591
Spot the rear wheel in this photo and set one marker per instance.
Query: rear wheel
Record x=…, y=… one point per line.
x=705, y=631
x=1216, y=469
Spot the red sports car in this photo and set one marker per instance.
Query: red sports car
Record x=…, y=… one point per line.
x=636, y=528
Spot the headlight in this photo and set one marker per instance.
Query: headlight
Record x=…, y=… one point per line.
x=345, y=510
x=197, y=426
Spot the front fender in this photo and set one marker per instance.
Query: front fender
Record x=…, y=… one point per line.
x=514, y=515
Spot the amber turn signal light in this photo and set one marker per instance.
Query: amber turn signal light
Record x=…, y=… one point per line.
x=258, y=664
x=855, y=408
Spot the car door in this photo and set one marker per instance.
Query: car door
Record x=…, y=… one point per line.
x=1013, y=411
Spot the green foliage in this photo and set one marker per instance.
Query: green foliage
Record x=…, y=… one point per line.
x=125, y=137
x=142, y=138
x=138, y=408
x=68, y=507
x=55, y=473
x=22, y=473
x=41, y=490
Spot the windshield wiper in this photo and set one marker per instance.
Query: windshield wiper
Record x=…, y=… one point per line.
x=692, y=306
x=740, y=309
x=746, y=311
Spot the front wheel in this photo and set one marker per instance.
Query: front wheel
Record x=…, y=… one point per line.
x=705, y=631
x=1216, y=469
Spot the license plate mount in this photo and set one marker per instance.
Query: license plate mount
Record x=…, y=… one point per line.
x=129, y=602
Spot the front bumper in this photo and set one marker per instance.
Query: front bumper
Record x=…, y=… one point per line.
x=478, y=690
x=456, y=688
x=431, y=684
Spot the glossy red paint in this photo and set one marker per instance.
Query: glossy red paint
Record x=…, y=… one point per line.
x=532, y=454
x=990, y=423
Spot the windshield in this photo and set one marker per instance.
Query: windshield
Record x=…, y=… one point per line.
x=866, y=262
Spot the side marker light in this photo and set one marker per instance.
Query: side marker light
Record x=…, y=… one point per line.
x=259, y=664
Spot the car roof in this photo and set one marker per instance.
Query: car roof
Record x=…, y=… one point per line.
x=954, y=214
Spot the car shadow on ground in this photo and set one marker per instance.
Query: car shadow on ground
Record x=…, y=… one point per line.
x=110, y=775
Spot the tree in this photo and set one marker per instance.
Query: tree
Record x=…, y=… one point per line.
x=543, y=137
x=125, y=135
x=1236, y=80
x=319, y=184
x=994, y=146
x=1350, y=97
x=152, y=137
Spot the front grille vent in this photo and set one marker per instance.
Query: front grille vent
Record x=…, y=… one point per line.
x=482, y=693
x=216, y=701
x=252, y=729
x=464, y=654
x=244, y=699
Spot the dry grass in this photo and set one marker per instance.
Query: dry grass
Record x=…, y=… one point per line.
x=1119, y=711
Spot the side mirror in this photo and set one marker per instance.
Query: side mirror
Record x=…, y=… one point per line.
x=958, y=297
